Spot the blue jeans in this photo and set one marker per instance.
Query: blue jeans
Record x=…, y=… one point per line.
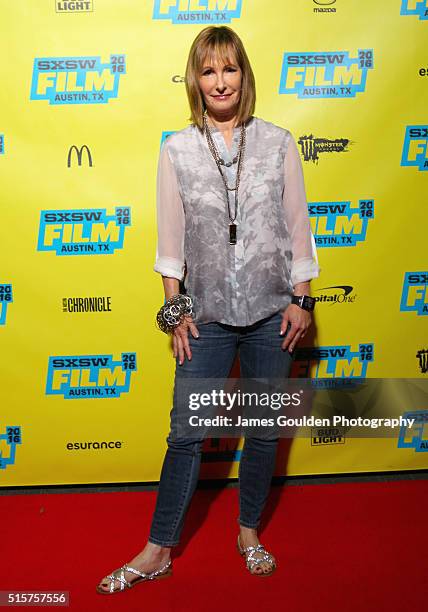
x=213, y=354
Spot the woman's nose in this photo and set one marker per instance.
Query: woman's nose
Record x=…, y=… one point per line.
x=220, y=83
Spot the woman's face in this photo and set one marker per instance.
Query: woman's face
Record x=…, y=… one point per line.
x=220, y=85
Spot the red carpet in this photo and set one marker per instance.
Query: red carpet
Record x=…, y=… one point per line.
x=340, y=547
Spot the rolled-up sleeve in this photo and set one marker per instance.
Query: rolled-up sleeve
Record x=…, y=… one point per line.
x=305, y=261
x=170, y=219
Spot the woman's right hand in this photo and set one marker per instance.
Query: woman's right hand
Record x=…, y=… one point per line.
x=180, y=339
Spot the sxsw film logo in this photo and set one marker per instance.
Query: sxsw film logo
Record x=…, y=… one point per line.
x=165, y=135
x=8, y=442
x=73, y=6
x=197, y=11
x=415, y=437
x=327, y=74
x=79, y=154
x=414, y=297
x=1, y=144
x=332, y=361
x=312, y=146
x=76, y=80
x=6, y=298
x=337, y=224
x=338, y=294
x=415, y=147
x=89, y=376
x=88, y=231
x=415, y=7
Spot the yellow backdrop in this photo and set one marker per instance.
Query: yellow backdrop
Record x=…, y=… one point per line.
x=81, y=360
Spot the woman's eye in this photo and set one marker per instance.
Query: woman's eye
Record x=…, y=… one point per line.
x=207, y=71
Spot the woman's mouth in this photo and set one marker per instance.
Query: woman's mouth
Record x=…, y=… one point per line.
x=222, y=97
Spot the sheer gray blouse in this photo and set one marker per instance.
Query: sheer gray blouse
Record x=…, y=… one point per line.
x=243, y=283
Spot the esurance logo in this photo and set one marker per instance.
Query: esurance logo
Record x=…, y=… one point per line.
x=8, y=442
x=416, y=436
x=337, y=224
x=6, y=298
x=415, y=7
x=325, y=74
x=414, y=297
x=76, y=80
x=415, y=147
x=332, y=361
x=197, y=11
x=89, y=376
x=88, y=231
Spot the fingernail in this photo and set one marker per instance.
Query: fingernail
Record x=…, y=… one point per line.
x=281, y=333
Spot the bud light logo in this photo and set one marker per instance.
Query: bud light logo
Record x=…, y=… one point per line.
x=325, y=74
x=414, y=297
x=8, y=442
x=73, y=6
x=338, y=224
x=415, y=437
x=415, y=147
x=415, y=7
x=88, y=231
x=6, y=298
x=197, y=11
x=332, y=361
x=89, y=376
x=76, y=80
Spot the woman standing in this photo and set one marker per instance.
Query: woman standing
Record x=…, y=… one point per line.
x=233, y=225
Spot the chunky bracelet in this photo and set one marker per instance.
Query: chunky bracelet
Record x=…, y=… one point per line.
x=173, y=311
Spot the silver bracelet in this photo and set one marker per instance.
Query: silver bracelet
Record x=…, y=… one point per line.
x=171, y=314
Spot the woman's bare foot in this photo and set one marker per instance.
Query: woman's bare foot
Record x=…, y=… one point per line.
x=248, y=537
x=151, y=558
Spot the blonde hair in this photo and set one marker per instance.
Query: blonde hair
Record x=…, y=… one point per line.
x=218, y=42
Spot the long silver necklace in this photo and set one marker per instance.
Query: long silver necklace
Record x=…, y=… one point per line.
x=220, y=162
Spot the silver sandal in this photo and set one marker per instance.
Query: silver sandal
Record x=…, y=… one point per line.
x=119, y=575
x=252, y=561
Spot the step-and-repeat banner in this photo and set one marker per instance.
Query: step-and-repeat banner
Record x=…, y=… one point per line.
x=88, y=92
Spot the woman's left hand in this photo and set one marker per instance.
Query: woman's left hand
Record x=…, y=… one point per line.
x=299, y=320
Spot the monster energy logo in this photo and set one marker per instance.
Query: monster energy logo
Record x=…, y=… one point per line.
x=422, y=355
x=311, y=146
